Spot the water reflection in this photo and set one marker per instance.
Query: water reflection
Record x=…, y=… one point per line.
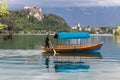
x=23, y=61
x=117, y=39
x=70, y=62
x=68, y=67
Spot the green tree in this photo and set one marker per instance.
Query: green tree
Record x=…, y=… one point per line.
x=3, y=8
x=3, y=11
x=21, y=23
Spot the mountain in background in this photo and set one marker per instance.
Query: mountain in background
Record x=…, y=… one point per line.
x=20, y=21
x=92, y=16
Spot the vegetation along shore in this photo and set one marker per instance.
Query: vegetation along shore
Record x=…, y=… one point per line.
x=32, y=20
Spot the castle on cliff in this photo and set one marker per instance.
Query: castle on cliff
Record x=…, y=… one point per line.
x=34, y=11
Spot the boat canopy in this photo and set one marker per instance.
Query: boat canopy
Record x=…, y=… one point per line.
x=72, y=35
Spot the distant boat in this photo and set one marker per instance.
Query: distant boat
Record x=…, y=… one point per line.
x=86, y=47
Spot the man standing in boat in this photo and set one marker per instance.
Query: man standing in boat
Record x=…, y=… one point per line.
x=47, y=41
x=56, y=37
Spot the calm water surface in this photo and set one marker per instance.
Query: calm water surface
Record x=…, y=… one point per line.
x=21, y=59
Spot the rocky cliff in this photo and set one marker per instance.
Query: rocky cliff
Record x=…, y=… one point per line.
x=34, y=11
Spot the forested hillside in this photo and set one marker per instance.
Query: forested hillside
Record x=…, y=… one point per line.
x=21, y=23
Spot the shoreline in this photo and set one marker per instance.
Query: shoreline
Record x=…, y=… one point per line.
x=54, y=34
x=101, y=34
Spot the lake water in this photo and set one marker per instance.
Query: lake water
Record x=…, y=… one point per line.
x=22, y=59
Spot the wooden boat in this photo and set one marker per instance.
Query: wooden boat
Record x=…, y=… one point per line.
x=76, y=55
x=73, y=47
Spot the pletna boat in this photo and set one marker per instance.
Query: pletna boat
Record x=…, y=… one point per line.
x=80, y=47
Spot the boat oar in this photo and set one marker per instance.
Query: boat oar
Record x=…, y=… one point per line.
x=53, y=48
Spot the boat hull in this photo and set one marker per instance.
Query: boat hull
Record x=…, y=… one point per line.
x=74, y=48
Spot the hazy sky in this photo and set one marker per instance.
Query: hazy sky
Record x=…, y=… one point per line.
x=63, y=3
x=85, y=12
